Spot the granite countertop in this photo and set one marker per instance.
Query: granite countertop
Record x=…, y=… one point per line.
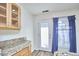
x=10, y=47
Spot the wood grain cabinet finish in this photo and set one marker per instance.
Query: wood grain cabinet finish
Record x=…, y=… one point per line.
x=24, y=52
x=10, y=16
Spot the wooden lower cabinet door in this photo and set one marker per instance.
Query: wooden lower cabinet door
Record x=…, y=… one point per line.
x=23, y=52
x=29, y=50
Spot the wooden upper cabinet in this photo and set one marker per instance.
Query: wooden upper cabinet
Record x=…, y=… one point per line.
x=3, y=15
x=9, y=16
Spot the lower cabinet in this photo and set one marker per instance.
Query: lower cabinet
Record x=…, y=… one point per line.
x=24, y=52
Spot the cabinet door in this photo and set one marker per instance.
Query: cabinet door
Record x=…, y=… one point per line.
x=15, y=16
x=29, y=53
x=3, y=15
x=9, y=16
x=23, y=52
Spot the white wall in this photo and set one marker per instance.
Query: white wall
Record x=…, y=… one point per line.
x=26, y=27
x=59, y=14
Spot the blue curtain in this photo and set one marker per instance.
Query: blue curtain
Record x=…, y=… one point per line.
x=55, y=35
x=72, y=33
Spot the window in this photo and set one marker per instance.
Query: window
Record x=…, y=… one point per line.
x=63, y=34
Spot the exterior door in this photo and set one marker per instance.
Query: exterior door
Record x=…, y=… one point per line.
x=45, y=34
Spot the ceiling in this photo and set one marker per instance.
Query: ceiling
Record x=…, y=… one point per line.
x=37, y=8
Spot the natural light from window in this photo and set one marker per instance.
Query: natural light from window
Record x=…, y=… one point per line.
x=63, y=35
x=44, y=35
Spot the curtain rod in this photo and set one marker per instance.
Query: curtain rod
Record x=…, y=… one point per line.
x=63, y=16
x=55, y=17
